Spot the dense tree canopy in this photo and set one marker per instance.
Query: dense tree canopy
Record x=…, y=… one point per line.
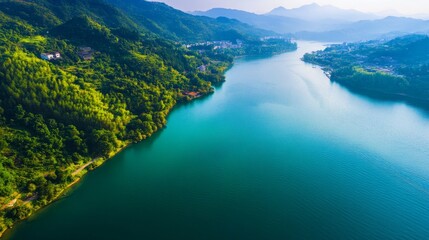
x=56, y=116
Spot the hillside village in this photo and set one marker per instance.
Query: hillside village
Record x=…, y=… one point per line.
x=84, y=53
x=217, y=44
x=50, y=56
x=355, y=53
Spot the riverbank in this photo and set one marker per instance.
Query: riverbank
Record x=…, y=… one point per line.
x=379, y=93
x=79, y=172
x=279, y=152
x=394, y=70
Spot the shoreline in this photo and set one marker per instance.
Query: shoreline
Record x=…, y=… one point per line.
x=117, y=151
x=101, y=162
x=378, y=94
x=70, y=185
x=383, y=96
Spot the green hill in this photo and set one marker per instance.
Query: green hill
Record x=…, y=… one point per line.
x=179, y=26
x=49, y=13
x=35, y=14
x=411, y=49
x=398, y=68
x=113, y=76
x=57, y=115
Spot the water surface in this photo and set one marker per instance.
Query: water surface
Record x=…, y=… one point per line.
x=278, y=152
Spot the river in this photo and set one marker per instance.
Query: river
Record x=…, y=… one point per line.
x=278, y=152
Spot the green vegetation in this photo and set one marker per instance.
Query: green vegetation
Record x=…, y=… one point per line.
x=399, y=67
x=56, y=116
x=179, y=26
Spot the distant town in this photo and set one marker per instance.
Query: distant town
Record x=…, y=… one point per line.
x=230, y=44
x=217, y=44
x=354, y=52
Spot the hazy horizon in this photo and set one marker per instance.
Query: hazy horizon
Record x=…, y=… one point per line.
x=406, y=7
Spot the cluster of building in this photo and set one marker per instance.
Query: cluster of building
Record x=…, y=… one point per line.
x=218, y=44
x=384, y=64
x=86, y=53
x=267, y=38
x=50, y=56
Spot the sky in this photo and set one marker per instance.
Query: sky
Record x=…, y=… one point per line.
x=263, y=6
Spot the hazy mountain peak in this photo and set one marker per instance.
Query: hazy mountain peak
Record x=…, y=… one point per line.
x=279, y=9
x=315, y=11
x=227, y=10
x=311, y=5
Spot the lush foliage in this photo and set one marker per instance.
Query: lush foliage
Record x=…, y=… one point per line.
x=179, y=26
x=399, y=67
x=56, y=116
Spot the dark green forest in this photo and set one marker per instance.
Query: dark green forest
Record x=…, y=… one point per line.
x=59, y=115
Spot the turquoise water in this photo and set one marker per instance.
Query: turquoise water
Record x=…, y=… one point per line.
x=278, y=152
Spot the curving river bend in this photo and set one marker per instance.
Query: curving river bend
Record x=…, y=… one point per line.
x=278, y=152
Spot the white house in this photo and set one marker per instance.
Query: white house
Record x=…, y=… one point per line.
x=50, y=56
x=47, y=56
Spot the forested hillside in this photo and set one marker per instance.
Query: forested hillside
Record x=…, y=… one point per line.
x=398, y=67
x=179, y=26
x=113, y=82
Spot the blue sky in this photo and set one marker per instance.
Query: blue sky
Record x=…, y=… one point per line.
x=262, y=6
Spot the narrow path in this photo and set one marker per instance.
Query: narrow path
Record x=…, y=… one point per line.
x=84, y=166
x=28, y=200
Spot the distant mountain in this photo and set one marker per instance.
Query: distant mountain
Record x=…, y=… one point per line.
x=423, y=16
x=314, y=22
x=313, y=12
x=388, y=27
x=274, y=23
x=394, y=13
x=279, y=24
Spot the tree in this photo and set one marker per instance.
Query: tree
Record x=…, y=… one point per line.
x=31, y=187
x=2, y=118
x=18, y=213
x=102, y=142
x=74, y=142
x=6, y=180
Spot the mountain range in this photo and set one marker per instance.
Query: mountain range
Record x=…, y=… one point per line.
x=386, y=28
x=279, y=24
x=315, y=12
x=325, y=23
